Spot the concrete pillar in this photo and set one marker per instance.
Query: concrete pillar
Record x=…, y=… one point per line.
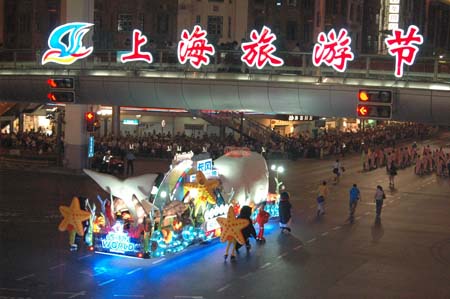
x=21, y=120
x=75, y=137
x=116, y=121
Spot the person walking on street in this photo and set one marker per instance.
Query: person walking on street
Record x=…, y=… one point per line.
x=392, y=174
x=337, y=171
x=323, y=195
x=130, y=162
x=355, y=196
x=379, y=197
x=284, y=209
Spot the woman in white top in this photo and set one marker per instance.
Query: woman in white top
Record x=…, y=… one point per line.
x=379, y=198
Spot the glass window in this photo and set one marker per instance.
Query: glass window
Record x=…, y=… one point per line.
x=229, y=27
x=291, y=30
x=215, y=24
x=292, y=3
x=124, y=23
x=198, y=20
x=163, y=24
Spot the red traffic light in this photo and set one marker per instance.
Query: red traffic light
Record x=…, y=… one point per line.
x=363, y=96
x=89, y=116
x=61, y=96
x=61, y=83
x=363, y=110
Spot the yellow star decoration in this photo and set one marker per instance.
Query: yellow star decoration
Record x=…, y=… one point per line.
x=205, y=189
x=232, y=227
x=74, y=216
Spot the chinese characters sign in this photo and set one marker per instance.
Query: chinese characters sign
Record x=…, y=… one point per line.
x=194, y=47
x=333, y=50
x=259, y=51
x=403, y=47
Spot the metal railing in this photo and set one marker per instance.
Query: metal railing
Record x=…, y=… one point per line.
x=428, y=69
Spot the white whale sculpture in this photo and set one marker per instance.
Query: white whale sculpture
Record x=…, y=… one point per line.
x=244, y=176
x=138, y=187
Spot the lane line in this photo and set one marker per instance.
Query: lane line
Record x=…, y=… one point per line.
x=298, y=247
x=358, y=217
x=245, y=276
x=106, y=282
x=134, y=271
x=310, y=241
x=13, y=290
x=282, y=255
x=265, y=265
x=82, y=293
x=139, y=296
x=223, y=288
x=324, y=234
x=187, y=297
x=57, y=266
x=158, y=261
x=366, y=213
x=25, y=277
x=85, y=256
x=337, y=227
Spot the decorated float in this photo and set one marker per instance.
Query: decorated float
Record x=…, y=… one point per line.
x=145, y=220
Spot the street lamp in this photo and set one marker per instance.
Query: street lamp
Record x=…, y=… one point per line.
x=278, y=169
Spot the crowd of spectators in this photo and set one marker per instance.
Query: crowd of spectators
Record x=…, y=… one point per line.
x=165, y=146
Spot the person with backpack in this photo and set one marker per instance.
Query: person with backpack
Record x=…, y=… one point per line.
x=379, y=198
x=355, y=196
x=262, y=218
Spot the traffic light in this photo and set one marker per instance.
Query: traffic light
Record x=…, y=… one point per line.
x=374, y=104
x=90, y=121
x=61, y=90
x=375, y=96
x=61, y=96
x=374, y=111
x=58, y=83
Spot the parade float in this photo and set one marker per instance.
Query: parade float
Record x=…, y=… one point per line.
x=145, y=220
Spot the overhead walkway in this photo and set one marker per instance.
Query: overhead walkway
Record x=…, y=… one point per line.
x=422, y=95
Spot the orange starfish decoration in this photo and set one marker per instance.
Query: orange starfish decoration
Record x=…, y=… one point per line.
x=232, y=227
x=73, y=216
x=205, y=189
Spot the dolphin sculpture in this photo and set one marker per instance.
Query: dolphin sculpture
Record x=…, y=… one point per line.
x=138, y=187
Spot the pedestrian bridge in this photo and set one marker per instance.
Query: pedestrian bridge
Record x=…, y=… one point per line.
x=298, y=87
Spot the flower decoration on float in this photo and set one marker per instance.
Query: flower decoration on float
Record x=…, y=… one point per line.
x=232, y=227
x=204, y=190
x=73, y=217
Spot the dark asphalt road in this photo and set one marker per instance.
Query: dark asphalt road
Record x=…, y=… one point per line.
x=407, y=255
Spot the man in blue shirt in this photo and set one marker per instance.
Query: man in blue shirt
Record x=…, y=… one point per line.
x=355, y=195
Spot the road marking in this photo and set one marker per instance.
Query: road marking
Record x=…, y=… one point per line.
x=25, y=277
x=337, y=227
x=246, y=275
x=310, y=241
x=142, y=296
x=282, y=255
x=223, y=288
x=13, y=290
x=134, y=271
x=324, y=234
x=298, y=247
x=366, y=213
x=85, y=256
x=187, y=297
x=57, y=266
x=159, y=261
x=358, y=217
x=265, y=265
x=106, y=282
x=82, y=293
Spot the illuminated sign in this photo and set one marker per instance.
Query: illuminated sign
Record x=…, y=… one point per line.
x=194, y=47
x=183, y=156
x=403, y=47
x=118, y=241
x=131, y=122
x=136, y=55
x=66, y=44
x=204, y=165
x=259, y=51
x=91, y=147
x=333, y=50
x=300, y=117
